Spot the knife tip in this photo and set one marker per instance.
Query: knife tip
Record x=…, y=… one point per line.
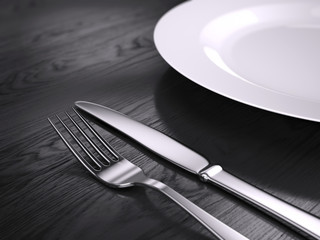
x=81, y=103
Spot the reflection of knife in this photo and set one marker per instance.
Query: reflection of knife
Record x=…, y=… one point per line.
x=186, y=158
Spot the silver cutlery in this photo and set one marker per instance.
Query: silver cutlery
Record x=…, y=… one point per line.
x=186, y=158
x=116, y=171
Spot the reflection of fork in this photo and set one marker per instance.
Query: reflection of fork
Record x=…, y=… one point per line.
x=116, y=171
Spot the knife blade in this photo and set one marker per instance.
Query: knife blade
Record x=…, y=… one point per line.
x=184, y=157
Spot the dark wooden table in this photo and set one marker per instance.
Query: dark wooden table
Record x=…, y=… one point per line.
x=53, y=53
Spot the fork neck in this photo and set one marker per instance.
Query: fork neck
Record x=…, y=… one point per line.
x=153, y=183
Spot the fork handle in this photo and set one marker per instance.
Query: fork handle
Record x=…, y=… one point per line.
x=216, y=227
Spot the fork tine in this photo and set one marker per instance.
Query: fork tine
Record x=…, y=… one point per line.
x=90, y=155
x=89, y=140
x=74, y=151
x=96, y=134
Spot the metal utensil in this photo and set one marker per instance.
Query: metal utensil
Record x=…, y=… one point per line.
x=115, y=171
x=186, y=158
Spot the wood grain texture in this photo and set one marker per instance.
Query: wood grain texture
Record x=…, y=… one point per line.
x=53, y=53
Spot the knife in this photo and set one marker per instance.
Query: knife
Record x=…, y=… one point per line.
x=193, y=162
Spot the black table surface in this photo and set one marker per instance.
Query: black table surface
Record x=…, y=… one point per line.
x=53, y=53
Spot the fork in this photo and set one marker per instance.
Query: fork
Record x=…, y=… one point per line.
x=118, y=172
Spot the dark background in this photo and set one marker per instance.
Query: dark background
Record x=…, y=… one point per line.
x=53, y=53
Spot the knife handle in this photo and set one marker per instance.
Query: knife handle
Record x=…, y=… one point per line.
x=289, y=214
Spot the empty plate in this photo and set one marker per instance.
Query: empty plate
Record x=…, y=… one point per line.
x=263, y=53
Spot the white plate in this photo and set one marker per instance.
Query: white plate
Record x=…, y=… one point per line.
x=263, y=53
